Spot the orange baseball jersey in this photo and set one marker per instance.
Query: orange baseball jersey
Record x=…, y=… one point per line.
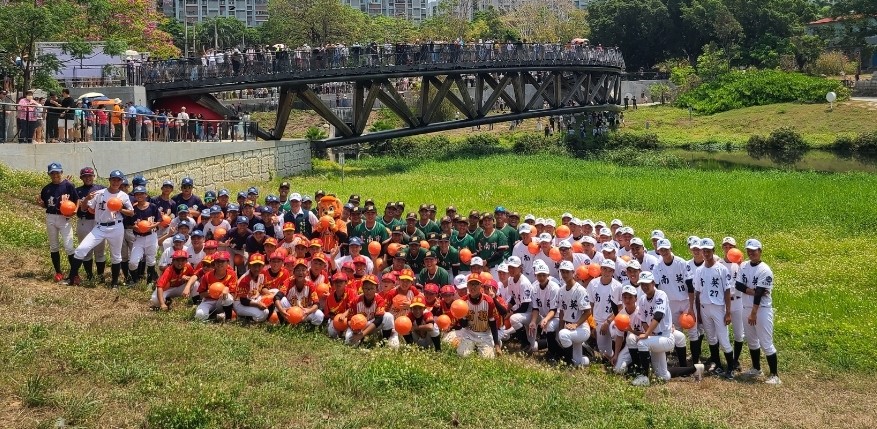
x=423, y=320
x=230, y=281
x=371, y=310
x=356, y=285
x=172, y=278
x=306, y=296
x=481, y=311
x=322, y=278
x=279, y=280
x=249, y=286
x=392, y=293
x=337, y=305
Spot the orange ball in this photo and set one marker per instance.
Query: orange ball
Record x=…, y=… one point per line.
x=443, y=322
x=622, y=321
x=214, y=291
x=735, y=255
x=460, y=309
x=273, y=319
x=267, y=300
x=554, y=254
x=323, y=289
x=143, y=227
x=165, y=221
x=486, y=277
x=340, y=322
x=424, y=244
x=393, y=249
x=219, y=233
x=562, y=231
x=465, y=255
x=577, y=247
x=326, y=222
x=625, y=258
x=403, y=325
x=582, y=273
x=358, y=322
x=594, y=270
x=533, y=248
x=68, y=208
x=374, y=248
x=114, y=204
x=238, y=259
x=687, y=321
x=294, y=315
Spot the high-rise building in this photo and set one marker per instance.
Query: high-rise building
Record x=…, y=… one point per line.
x=251, y=12
x=412, y=10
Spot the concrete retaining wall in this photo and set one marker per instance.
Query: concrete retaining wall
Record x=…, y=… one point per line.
x=206, y=162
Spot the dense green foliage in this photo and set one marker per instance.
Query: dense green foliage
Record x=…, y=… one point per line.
x=739, y=89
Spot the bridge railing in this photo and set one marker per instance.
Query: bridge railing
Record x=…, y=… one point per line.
x=368, y=59
x=35, y=123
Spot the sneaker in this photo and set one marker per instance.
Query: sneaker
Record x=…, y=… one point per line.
x=698, y=372
x=728, y=375
x=774, y=380
x=752, y=373
x=641, y=381
x=59, y=277
x=75, y=281
x=585, y=362
x=220, y=318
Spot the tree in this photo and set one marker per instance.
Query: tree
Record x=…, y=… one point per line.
x=25, y=24
x=770, y=25
x=315, y=22
x=223, y=32
x=449, y=22
x=641, y=28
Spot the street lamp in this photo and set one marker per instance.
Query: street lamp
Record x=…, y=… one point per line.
x=830, y=98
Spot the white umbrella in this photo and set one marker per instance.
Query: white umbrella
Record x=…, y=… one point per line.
x=280, y=46
x=579, y=41
x=90, y=95
x=131, y=53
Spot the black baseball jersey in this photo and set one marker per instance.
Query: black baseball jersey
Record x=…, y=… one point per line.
x=51, y=195
x=83, y=192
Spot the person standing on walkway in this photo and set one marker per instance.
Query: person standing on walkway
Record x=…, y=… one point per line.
x=27, y=119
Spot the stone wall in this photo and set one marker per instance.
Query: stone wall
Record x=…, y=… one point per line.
x=866, y=88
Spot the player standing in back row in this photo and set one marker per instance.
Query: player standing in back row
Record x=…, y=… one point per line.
x=756, y=283
x=51, y=197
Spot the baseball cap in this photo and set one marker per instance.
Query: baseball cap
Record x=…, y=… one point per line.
x=544, y=237
x=370, y=278
x=564, y=244
x=636, y=241
x=223, y=193
x=197, y=233
x=355, y=241
x=211, y=244
x=266, y=210
x=284, y=185
x=209, y=195
x=608, y=263
x=540, y=267
x=707, y=243
x=180, y=254
x=626, y=230
x=139, y=190
x=411, y=216
x=86, y=171
x=473, y=278
x=447, y=290
x=242, y=194
x=606, y=232
x=445, y=219
x=628, y=289
x=319, y=256
x=187, y=181
x=277, y=255
x=609, y=247
x=566, y=266
x=301, y=261
x=406, y=275
x=444, y=237
x=634, y=264
x=513, y=261
x=389, y=277
x=215, y=210
x=514, y=215
x=529, y=217
x=221, y=256
x=167, y=183
x=693, y=242
x=295, y=197
x=353, y=198
x=242, y=219
x=348, y=266
x=182, y=208
x=259, y=228
x=646, y=277
x=187, y=224
x=587, y=222
x=658, y=234
x=753, y=244
x=499, y=209
x=431, y=288
x=664, y=244
x=539, y=221
x=115, y=174
x=270, y=240
x=550, y=222
x=429, y=254
x=256, y=259
x=207, y=260
x=477, y=261
x=502, y=268
x=55, y=167
x=525, y=229
x=460, y=281
x=271, y=199
x=729, y=240
x=339, y=277
x=616, y=222
x=316, y=243
x=417, y=301
x=253, y=191
x=360, y=260
x=179, y=238
x=289, y=226
x=306, y=198
x=205, y=212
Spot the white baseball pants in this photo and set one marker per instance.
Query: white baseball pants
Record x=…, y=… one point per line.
x=256, y=313
x=208, y=306
x=83, y=227
x=658, y=346
x=168, y=293
x=575, y=339
x=113, y=234
x=144, y=246
x=714, y=324
x=760, y=335
x=58, y=225
x=471, y=340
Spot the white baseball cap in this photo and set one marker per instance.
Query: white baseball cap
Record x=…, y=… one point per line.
x=753, y=244
x=567, y=266
x=616, y=222
x=529, y=217
x=646, y=277
x=576, y=221
x=729, y=240
x=295, y=197
x=634, y=264
x=606, y=232
x=609, y=247
x=550, y=222
x=567, y=214
x=588, y=222
x=707, y=243
x=513, y=261
x=626, y=230
x=476, y=261
x=588, y=239
x=664, y=244
x=693, y=242
x=608, y=263
x=564, y=243
x=657, y=234
x=460, y=281
x=636, y=241
x=628, y=289
x=502, y=268
x=539, y=267
x=544, y=237
x=540, y=221
x=525, y=229
x=600, y=224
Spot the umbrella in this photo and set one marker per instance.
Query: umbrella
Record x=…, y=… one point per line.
x=101, y=98
x=131, y=53
x=579, y=40
x=89, y=95
x=143, y=110
x=280, y=46
x=103, y=102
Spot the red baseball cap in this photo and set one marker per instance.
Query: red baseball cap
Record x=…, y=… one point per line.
x=277, y=255
x=257, y=258
x=370, y=279
x=348, y=266
x=211, y=244
x=448, y=290
x=180, y=254
x=359, y=260
x=406, y=274
x=389, y=277
x=221, y=256
x=417, y=301
x=339, y=277
x=431, y=288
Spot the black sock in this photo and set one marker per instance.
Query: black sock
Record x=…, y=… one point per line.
x=74, y=269
x=634, y=360
x=437, y=343
x=521, y=335
x=756, y=358
x=114, y=270
x=56, y=261
x=566, y=354
x=89, y=268
x=387, y=333
x=714, y=355
x=70, y=260
x=134, y=276
x=409, y=339
x=227, y=309
x=141, y=268
x=101, y=267
x=695, y=351
x=553, y=347
x=125, y=271
x=730, y=358
x=738, y=347
x=152, y=275
x=681, y=356
x=772, y=363
x=645, y=359
x=677, y=371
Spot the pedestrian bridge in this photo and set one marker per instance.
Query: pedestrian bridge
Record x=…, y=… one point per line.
x=531, y=80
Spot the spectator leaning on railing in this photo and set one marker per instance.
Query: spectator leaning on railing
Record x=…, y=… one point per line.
x=27, y=119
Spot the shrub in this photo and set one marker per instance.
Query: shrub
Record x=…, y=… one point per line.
x=867, y=143
x=740, y=89
x=830, y=64
x=784, y=146
x=532, y=144
x=638, y=141
x=481, y=144
x=630, y=157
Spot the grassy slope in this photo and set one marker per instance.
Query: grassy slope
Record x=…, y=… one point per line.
x=815, y=122
x=100, y=359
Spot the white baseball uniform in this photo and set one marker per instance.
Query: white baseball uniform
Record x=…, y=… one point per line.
x=738, y=320
x=573, y=302
x=521, y=290
x=661, y=340
x=711, y=283
x=671, y=280
x=544, y=300
x=602, y=297
x=108, y=226
x=760, y=335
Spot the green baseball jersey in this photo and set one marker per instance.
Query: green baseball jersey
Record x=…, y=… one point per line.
x=417, y=235
x=488, y=246
x=391, y=223
x=448, y=261
x=441, y=277
x=415, y=261
x=430, y=226
x=512, y=237
x=375, y=233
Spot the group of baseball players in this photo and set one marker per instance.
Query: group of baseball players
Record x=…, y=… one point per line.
x=579, y=290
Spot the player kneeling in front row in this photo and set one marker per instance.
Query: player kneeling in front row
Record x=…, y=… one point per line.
x=303, y=293
x=366, y=316
x=217, y=299
x=574, y=311
x=480, y=319
x=625, y=329
x=248, y=300
x=658, y=338
x=424, y=330
x=173, y=280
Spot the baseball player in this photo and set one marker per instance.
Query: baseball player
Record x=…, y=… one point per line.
x=756, y=284
x=574, y=311
x=423, y=329
x=610, y=250
x=690, y=266
x=172, y=282
x=625, y=353
x=221, y=273
x=248, y=291
x=520, y=292
x=522, y=252
x=638, y=253
x=738, y=321
x=336, y=302
x=712, y=282
x=145, y=243
x=480, y=319
x=85, y=223
x=448, y=256
x=432, y=273
x=216, y=221
x=670, y=276
x=371, y=305
x=303, y=293
x=604, y=294
x=543, y=310
x=186, y=196
x=108, y=227
x=545, y=241
x=51, y=197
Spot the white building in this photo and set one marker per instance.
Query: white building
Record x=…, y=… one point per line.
x=251, y=12
x=412, y=10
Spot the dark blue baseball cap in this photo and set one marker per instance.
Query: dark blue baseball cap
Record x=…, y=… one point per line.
x=210, y=195
x=355, y=241
x=197, y=233
x=138, y=180
x=187, y=181
x=55, y=167
x=242, y=219
x=125, y=182
x=223, y=192
x=266, y=210
x=271, y=199
x=115, y=174
x=233, y=208
x=167, y=183
x=182, y=208
x=139, y=190
x=259, y=228
x=242, y=194
x=499, y=209
x=253, y=190
x=179, y=238
x=215, y=209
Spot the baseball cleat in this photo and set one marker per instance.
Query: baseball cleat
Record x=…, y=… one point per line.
x=698, y=372
x=641, y=381
x=59, y=277
x=774, y=380
x=752, y=373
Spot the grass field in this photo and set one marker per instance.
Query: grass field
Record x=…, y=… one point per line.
x=98, y=358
